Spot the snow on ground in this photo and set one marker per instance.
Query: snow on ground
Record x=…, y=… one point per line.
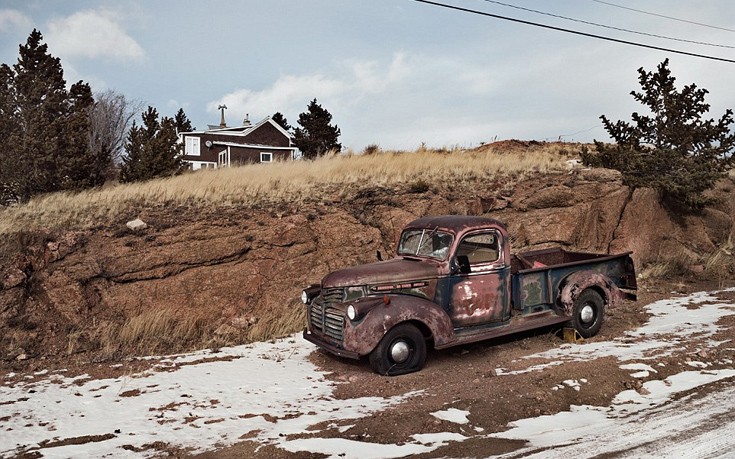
x=662, y=335
x=268, y=391
x=653, y=425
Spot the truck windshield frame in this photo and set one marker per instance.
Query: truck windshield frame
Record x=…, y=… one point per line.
x=425, y=243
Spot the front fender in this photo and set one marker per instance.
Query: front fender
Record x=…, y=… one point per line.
x=364, y=334
x=579, y=281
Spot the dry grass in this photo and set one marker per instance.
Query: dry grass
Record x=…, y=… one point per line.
x=170, y=330
x=292, y=181
x=281, y=325
x=720, y=265
x=670, y=264
x=158, y=329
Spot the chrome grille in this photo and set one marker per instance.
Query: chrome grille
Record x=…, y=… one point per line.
x=332, y=295
x=325, y=318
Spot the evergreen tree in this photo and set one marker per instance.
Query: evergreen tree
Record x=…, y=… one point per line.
x=675, y=151
x=316, y=136
x=281, y=120
x=182, y=123
x=79, y=165
x=151, y=149
x=44, y=127
x=9, y=129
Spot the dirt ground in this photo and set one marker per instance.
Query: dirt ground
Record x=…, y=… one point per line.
x=466, y=378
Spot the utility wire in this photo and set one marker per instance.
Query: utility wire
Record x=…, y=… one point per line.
x=609, y=27
x=576, y=32
x=663, y=16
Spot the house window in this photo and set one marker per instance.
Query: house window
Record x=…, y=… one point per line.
x=223, y=159
x=266, y=157
x=196, y=165
x=192, y=146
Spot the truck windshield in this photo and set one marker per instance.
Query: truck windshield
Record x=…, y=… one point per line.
x=425, y=243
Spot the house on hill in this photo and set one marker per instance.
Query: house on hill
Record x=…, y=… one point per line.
x=223, y=146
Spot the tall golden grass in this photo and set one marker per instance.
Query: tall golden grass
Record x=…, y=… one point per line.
x=156, y=330
x=291, y=181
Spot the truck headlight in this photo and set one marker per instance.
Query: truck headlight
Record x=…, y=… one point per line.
x=304, y=297
x=351, y=312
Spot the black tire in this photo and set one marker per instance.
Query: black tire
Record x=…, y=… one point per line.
x=589, y=313
x=403, y=339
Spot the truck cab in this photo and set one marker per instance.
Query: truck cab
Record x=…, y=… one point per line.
x=452, y=281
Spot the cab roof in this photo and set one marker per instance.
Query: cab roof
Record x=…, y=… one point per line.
x=456, y=223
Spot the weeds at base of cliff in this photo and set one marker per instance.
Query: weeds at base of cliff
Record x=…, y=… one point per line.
x=718, y=265
x=156, y=330
x=171, y=330
x=281, y=325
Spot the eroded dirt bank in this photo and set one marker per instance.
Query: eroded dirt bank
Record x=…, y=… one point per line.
x=203, y=278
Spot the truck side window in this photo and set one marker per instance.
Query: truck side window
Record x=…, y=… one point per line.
x=480, y=249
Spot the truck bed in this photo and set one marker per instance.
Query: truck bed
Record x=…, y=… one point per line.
x=538, y=274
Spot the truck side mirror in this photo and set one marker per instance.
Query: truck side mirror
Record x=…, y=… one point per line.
x=464, y=264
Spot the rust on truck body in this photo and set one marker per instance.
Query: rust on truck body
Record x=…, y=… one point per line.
x=454, y=279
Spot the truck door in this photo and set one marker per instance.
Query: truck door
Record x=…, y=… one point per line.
x=480, y=296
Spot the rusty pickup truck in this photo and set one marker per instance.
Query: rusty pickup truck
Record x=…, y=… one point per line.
x=454, y=281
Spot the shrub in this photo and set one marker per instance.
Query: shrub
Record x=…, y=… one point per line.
x=675, y=151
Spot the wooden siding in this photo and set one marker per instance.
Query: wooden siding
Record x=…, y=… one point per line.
x=238, y=154
x=267, y=134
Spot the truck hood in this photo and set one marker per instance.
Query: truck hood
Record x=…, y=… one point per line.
x=391, y=271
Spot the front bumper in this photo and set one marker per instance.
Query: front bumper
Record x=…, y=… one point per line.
x=332, y=349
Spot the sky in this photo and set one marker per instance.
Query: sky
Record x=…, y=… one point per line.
x=393, y=73
x=270, y=392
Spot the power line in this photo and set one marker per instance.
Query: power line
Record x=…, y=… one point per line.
x=576, y=32
x=609, y=27
x=664, y=16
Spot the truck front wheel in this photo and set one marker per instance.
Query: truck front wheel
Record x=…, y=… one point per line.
x=402, y=350
x=589, y=312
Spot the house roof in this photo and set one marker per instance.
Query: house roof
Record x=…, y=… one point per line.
x=242, y=130
x=250, y=145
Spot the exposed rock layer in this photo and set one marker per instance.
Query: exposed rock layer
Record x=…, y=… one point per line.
x=239, y=272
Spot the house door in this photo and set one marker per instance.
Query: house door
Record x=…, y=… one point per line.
x=480, y=296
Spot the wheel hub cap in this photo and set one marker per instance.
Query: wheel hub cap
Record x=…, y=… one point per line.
x=587, y=314
x=399, y=352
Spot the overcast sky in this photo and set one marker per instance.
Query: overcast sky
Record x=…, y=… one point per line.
x=392, y=72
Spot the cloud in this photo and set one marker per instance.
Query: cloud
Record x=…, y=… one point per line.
x=92, y=34
x=353, y=81
x=282, y=96
x=13, y=19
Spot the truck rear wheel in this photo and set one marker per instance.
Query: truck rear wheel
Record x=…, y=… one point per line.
x=589, y=313
x=402, y=350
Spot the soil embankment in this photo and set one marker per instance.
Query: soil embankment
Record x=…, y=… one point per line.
x=198, y=278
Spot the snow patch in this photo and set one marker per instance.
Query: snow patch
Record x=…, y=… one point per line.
x=632, y=419
x=452, y=415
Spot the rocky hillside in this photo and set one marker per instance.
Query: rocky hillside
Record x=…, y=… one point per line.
x=206, y=278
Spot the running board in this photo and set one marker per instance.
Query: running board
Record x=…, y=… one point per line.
x=517, y=324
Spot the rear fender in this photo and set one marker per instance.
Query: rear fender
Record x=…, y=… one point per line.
x=578, y=282
x=378, y=315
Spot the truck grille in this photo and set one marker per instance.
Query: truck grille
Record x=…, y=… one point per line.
x=326, y=319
